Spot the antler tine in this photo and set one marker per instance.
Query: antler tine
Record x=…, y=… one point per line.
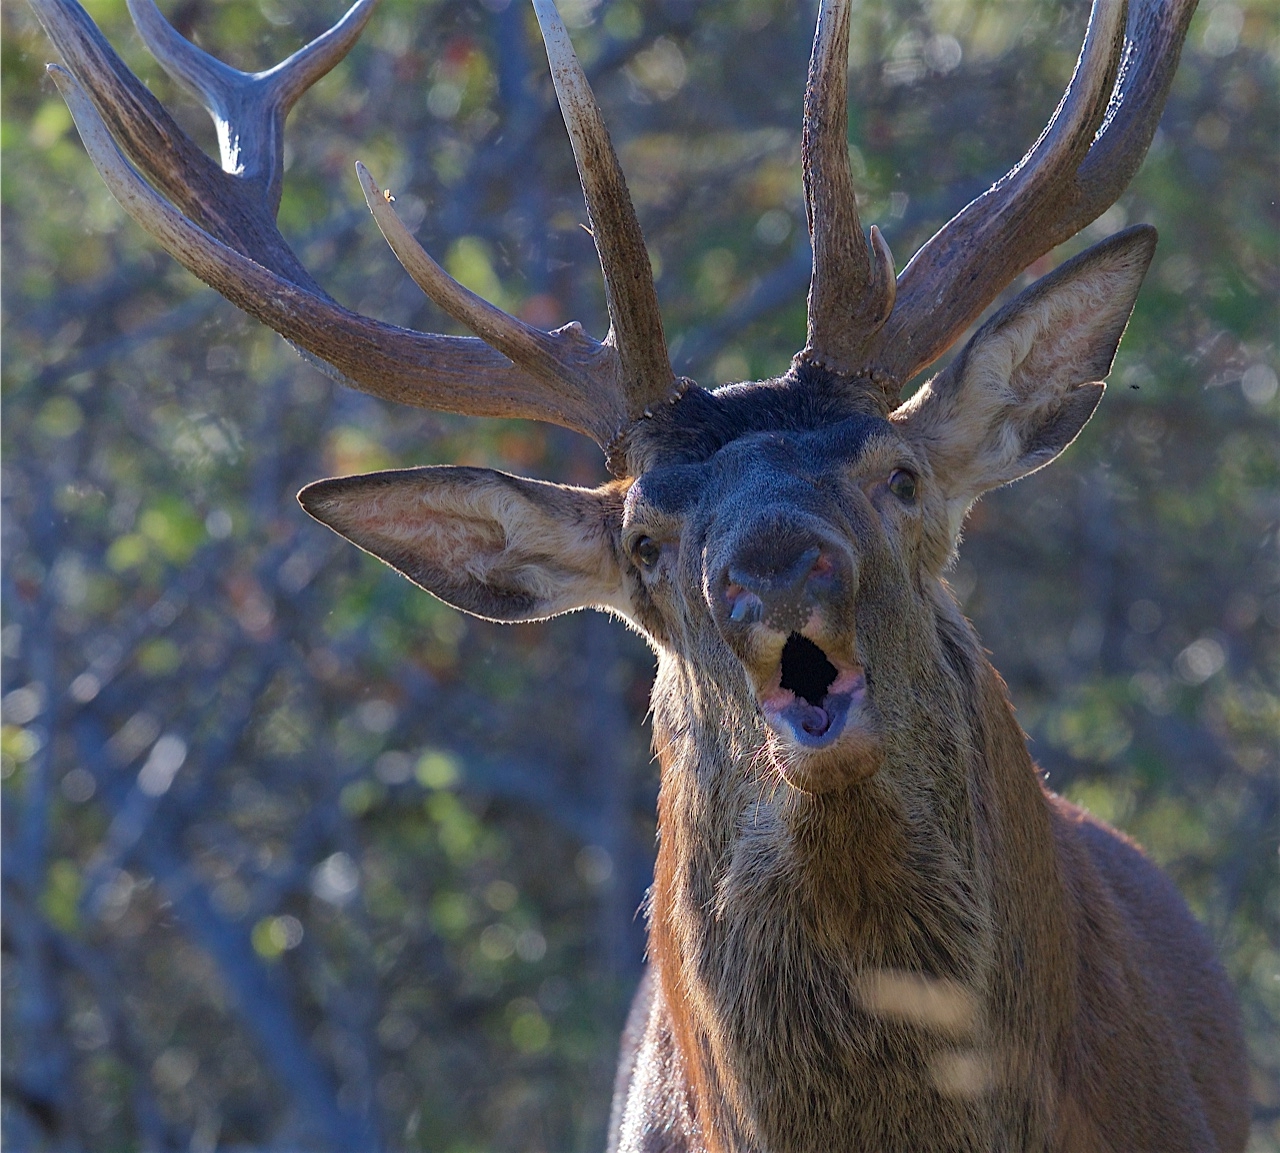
x=248, y=109
x=1034, y=207
x=566, y=359
x=152, y=139
x=198, y=72
x=421, y=369
x=293, y=76
x=635, y=319
x=1155, y=44
x=851, y=289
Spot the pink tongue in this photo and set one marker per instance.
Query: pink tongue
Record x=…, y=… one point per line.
x=814, y=720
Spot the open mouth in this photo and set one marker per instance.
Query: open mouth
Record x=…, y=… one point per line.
x=811, y=694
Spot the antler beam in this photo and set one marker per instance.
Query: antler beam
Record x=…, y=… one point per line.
x=219, y=222
x=851, y=289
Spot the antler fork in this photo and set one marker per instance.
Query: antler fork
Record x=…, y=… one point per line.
x=1086, y=156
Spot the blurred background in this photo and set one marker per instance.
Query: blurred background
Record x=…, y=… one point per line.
x=296, y=857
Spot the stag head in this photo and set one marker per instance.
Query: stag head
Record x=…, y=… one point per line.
x=782, y=539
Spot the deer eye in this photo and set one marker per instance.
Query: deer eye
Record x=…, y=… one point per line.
x=903, y=485
x=646, y=552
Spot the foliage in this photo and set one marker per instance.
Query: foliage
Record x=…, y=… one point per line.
x=297, y=857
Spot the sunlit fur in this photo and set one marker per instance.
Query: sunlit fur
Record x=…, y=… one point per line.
x=931, y=951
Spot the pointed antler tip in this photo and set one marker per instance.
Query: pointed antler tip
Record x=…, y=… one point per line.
x=382, y=205
x=377, y=200
x=880, y=246
x=71, y=90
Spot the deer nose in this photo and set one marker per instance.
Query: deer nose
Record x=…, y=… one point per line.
x=779, y=587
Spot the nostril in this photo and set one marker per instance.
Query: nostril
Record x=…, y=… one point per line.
x=766, y=576
x=744, y=606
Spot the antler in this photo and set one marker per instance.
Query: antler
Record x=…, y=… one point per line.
x=220, y=224
x=1081, y=163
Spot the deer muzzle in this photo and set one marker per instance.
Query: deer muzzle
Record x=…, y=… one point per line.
x=783, y=601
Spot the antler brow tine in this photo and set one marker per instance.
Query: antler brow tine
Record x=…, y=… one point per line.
x=565, y=358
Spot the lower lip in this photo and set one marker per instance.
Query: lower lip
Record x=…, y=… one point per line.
x=815, y=726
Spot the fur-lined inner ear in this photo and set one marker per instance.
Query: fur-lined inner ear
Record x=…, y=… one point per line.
x=494, y=545
x=1030, y=378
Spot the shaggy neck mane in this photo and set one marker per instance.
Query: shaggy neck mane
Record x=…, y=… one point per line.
x=828, y=959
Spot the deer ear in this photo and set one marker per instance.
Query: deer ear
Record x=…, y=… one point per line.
x=1030, y=378
x=493, y=545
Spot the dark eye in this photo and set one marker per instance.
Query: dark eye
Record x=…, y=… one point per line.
x=646, y=551
x=903, y=485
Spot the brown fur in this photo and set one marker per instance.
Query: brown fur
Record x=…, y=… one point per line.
x=1086, y=1011
x=943, y=955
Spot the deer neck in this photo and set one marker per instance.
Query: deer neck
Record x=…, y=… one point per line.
x=829, y=962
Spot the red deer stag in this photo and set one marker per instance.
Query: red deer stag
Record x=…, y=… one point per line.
x=871, y=926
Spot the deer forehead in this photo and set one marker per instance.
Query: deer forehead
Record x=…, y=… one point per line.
x=777, y=457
